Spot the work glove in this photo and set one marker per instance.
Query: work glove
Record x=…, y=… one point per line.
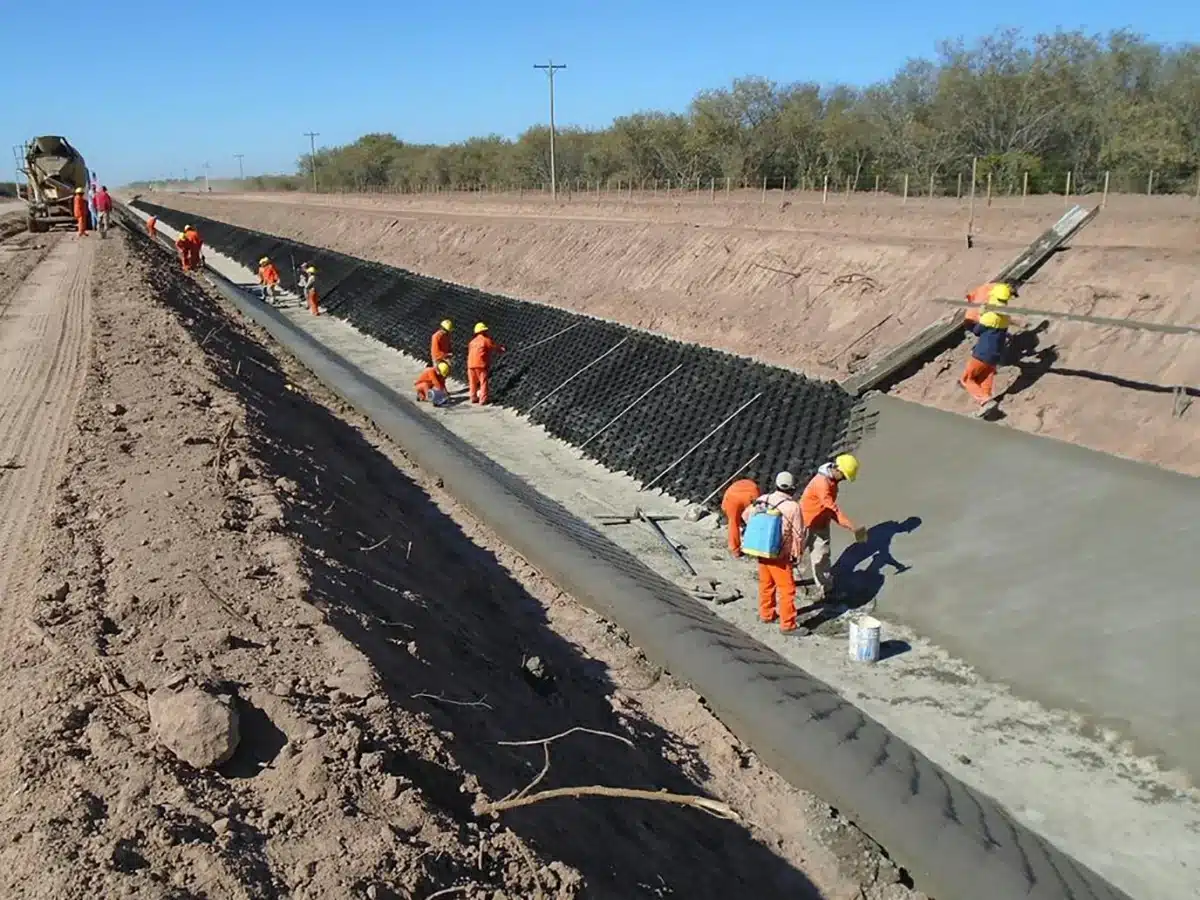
x=860, y=534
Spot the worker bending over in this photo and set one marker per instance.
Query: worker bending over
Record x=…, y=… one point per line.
x=439, y=344
x=737, y=499
x=775, y=536
x=308, y=287
x=183, y=244
x=152, y=227
x=819, y=509
x=480, y=351
x=431, y=384
x=195, y=245
x=268, y=277
x=80, y=211
x=991, y=332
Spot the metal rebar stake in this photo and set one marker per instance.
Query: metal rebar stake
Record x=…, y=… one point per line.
x=702, y=440
x=576, y=375
x=644, y=395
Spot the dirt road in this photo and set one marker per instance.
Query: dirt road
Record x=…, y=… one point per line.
x=43, y=352
x=821, y=289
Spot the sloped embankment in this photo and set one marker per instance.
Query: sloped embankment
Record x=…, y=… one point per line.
x=636, y=402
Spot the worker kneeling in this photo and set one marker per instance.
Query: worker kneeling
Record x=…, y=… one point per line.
x=431, y=384
x=775, y=536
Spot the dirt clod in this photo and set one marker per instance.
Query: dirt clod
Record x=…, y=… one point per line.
x=200, y=729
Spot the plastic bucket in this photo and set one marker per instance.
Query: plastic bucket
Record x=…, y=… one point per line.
x=864, y=639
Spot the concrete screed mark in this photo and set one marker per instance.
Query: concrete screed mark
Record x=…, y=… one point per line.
x=592, y=383
x=955, y=841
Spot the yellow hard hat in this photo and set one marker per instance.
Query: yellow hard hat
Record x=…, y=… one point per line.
x=187, y=227
x=993, y=320
x=263, y=261
x=447, y=325
x=79, y=190
x=847, y=465
x=480, y=328
x=443, y=368
x=311, y=270
x=1000, y=293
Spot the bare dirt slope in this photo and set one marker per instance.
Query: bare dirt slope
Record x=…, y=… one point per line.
x=192, y=515
x=819, y=288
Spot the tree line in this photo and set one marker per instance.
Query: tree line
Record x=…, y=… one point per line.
x=1025, y=111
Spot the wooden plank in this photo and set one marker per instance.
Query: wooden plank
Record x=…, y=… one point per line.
x=934, y=337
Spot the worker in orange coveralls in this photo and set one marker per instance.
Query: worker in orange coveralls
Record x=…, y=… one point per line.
x=776, y=578
x=431, y=384
x=80, y=211
x=195, y=246
x=268, y=277
x=819, y=509
x=736, y=500
x=979, y=376
x=439, y=344
x=152, y=227
x=183, y=244
x=479, y=359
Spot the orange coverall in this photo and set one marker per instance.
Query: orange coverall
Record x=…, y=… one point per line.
x=479, y=357
x=439, y=346
x=430, y=378
x=978, y=296
x=195, y=245
x=184, y=245
x=152, y=227
x=776, y=581
x=80, y=211
x=736, y=499
x=819, y=509
x=268, y=275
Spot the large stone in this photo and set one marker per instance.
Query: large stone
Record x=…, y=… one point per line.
x=200, y=729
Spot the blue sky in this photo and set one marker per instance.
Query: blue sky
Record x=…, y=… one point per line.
x=153, y=90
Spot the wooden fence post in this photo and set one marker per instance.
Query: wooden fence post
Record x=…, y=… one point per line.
x=825, y=192
x=1024, y=186
x=905, y=200
x=764, y=193
x=1104, y=196
x=1150, y=184
x=1067, y=192
x=971, y=205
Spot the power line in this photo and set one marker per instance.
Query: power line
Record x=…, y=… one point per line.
x=241, y=173
x=550, y=68
x=312, y=155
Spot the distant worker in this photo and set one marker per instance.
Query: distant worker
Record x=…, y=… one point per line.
x=80, y=211
x=991, y=292
x=152, y=227
x=431, y=384
x=268, y=277
x=195, y=245
x=104, y=205
x=819, y=508
x=480, y=351
x=979, y=376
x=775, y=536
x=91, y=202
x=737, y=499
x=439, y=344
x=183, y=244
x=308, y=285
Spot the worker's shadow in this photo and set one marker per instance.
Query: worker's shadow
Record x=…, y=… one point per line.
x=859, y=571
x=1031, y=360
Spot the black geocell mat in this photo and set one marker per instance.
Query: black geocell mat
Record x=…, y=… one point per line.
x=797, y=423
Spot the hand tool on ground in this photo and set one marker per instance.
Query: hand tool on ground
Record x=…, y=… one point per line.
x=626, y=518
x=650, y=520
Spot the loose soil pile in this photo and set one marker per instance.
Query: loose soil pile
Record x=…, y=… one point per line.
x=821, y=289
x=234, y=564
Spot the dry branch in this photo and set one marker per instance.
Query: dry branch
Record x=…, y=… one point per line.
x=481, y=702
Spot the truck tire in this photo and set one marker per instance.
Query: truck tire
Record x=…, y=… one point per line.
x=35, y=225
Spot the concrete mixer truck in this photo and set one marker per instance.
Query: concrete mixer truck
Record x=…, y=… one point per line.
x=53, y=169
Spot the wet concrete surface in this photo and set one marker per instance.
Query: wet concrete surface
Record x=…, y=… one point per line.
x=1082, y=788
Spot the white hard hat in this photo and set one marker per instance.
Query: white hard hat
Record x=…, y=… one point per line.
x=785, y=481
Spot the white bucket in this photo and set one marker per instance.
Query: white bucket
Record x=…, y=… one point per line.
x=864, y=639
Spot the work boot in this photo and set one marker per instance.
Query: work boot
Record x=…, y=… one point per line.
x=798, y=632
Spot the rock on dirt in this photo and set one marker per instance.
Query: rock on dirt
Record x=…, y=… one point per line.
x=197, y=727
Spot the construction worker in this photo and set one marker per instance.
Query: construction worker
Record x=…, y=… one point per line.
x=979, y=376
x=152, y=227
x=183, y=244
x=776, y=578
x=195, y=246
x=80, y=211
x=268, y=277
x=103, y=203
x=308, y=284
x=991, y=292
x=439, y=344
x=819, y=509
x=480, y=351
x=431, y=384
x=734, y=503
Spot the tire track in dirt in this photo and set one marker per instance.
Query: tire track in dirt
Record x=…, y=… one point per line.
x=43, y=351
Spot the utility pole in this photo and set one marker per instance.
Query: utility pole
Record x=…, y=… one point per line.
x=312, y=155
x=551, y=68
x=206, y=168
x=241, y=172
